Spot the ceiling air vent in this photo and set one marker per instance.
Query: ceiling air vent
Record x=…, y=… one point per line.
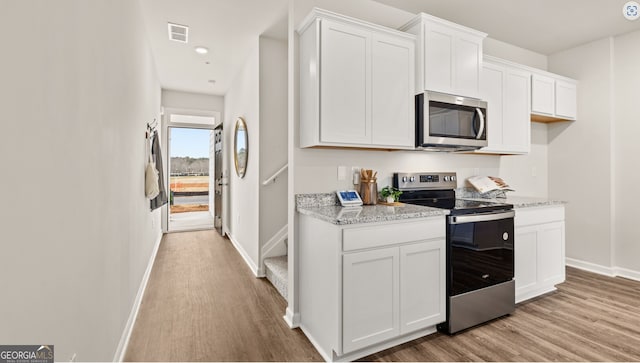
x=179, y=33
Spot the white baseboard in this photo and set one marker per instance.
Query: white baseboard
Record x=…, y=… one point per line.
x=591, y=267
x=252, y=265
x=628, y=274
x=133, y=315
x=350, y=357
x=292, y=320
x=604, y=270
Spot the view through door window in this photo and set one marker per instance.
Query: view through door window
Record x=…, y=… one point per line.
x=189, y=179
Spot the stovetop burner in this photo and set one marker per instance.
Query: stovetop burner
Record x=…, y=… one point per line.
x=461, y=206
x=437, y=190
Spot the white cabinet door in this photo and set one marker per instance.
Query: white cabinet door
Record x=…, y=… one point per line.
x=493, y=93
x=507, y=92
x=551, y=266
x=422, y=285
x=468, y=60
x=392, y=69
x=452, y=59
x=370, y=292
x=344, y=79
x=438, y=58
x=539, y=257
x=526, y=260
x=516, y=125
x=566, y=100
x=542, y=95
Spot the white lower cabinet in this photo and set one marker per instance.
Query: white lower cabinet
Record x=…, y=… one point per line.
x=368, y=287
x=392, y=291
x=422, y=285
x=539, y=251
x=370, y=297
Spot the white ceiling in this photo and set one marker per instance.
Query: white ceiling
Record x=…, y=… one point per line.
x=229, y=28
x=543, y=26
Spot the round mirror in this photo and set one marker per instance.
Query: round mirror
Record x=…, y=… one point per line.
x=241, y=147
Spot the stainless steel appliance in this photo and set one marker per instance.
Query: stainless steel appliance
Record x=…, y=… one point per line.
x=480, y=246
x=450, y=123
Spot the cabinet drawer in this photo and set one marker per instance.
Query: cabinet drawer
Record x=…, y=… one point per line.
x=531, y=216
x=390, y=234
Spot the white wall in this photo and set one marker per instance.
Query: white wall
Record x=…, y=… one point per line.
x=192, y=101
x=273, y=137
x=514, y=53
x=580, y=153
x=626, y=150
x=243, y=100
x=76, y=93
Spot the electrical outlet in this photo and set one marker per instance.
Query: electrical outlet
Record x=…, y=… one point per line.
x=534, y=172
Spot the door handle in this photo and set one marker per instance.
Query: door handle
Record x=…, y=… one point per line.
x=481, y=115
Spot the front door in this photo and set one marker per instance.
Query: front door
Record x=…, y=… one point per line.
x=217, y=203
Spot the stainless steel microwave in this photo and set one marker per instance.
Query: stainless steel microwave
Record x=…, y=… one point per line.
x=450, y=123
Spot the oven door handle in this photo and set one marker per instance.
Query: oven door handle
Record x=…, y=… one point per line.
x=481, y=217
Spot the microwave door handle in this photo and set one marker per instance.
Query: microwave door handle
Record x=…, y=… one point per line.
x=481, y=115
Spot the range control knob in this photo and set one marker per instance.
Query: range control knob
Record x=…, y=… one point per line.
x=412, y=179
x=404, y=179
x=446, y=178
x=453, y=178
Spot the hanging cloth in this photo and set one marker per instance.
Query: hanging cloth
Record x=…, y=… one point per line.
x=151, y=187
x=156, y=156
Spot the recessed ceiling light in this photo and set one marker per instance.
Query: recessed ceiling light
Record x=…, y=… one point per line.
x=202, y=50
x=212, y=81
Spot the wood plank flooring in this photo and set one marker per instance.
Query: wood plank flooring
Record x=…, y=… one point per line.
x=203, y=304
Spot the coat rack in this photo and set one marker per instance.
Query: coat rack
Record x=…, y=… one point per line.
x=151, y=128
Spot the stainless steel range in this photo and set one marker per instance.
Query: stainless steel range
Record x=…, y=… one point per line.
x=480, y=237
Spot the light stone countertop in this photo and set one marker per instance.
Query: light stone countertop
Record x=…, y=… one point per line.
x=339, y=215
x=325, y=206
x=523, y=202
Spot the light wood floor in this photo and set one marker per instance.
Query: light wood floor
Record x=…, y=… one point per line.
x=203, y=304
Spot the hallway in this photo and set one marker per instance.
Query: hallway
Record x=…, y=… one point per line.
x=203, y=304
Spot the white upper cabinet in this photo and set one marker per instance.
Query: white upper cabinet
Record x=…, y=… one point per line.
x=448, y=56
x=506, y=88
x=566, y=100
x=542, y=95
x=345, y=83
x=553, y=97
x=356, y=83
x=393, y=109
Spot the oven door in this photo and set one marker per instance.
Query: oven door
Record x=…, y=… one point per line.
x=480, y=250
x=451, y=121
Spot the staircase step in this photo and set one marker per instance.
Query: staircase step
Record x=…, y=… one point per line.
x=277, y=273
